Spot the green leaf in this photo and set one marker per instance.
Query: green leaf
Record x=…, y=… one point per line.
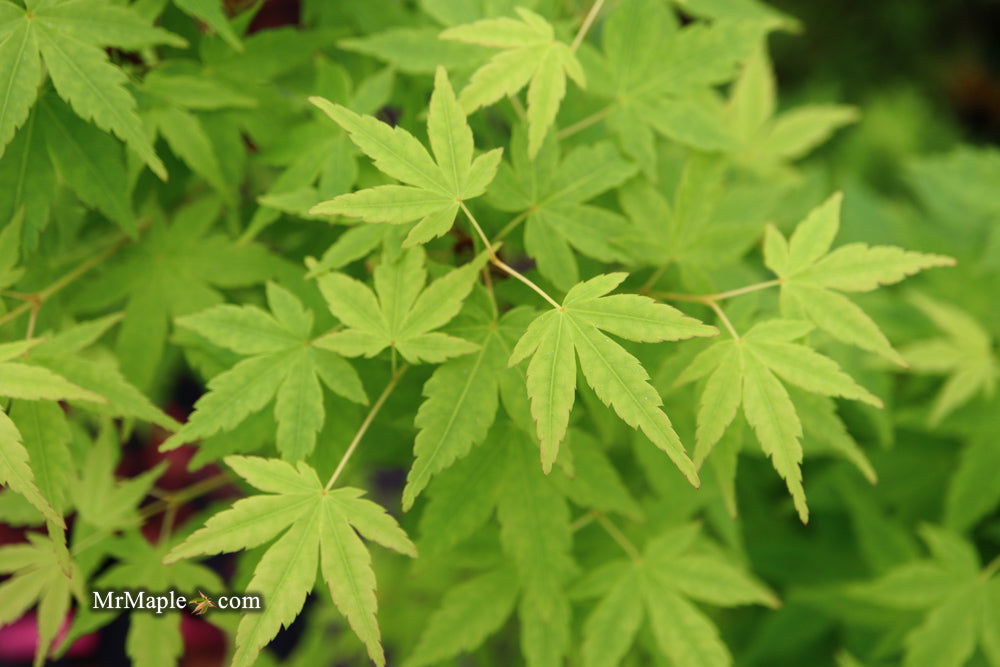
x=616, y=376
x=15, y=472
x=469, y=613
x=461, y=402
x=772, y=415
x=318, y=530
x=399, y=313
x=965, y=354
x=611, y=627
x=435, y=189
x=90, y=162
x=810, y=273
x=214, y=16
x=20, y=77
x=82, y=76
x=283, y=366
x=531, y=56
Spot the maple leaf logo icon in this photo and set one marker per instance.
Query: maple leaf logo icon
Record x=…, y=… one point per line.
x=201, y=604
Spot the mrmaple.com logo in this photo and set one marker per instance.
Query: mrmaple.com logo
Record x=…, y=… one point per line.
x=140, y=600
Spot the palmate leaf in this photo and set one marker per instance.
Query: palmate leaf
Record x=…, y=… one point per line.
x=283, y=363
x=399, y=313
x=552, y=191
x=44, y=573
x=177, y=268
x=813, y=277
x=556, y=338
x=318, y=528
x=70, y=36
x=463, y=394
x=660, y=587
x=435, y=187
x=766, y=141
x=656, y=76
x=745, y=372
x=531, y=56
x=959, y=600
x=964, y=353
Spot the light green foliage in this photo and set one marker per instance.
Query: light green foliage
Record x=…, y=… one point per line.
x=660, y=585
x=959, y=601
x=531, y=56
x=283, y=363
x=552, y=191
x=745, y=372
x=41, y=572
x=400, y=313
x=813, y=276
x=767, y=140
x=965, y=354
x=435, y=187
x=556, y=338
x=317, y=527
x=404, y=279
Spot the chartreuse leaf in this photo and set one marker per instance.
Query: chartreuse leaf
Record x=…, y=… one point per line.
x=435, y=187
x=958, y=600
x=812, y=276
x=766, y=140
x=284, y=363
x=557, y=338
x=400, y=313
x=531, y=56
x=42, y=572
x=551, y=191
x=462, y=396
x=318, y=529
x=965, y=354
x=16, y=474
x=674, y=570
x=746, y=372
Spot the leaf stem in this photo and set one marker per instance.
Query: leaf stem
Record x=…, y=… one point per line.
x=618, y=536
x=707, y=298
x=584, y=123
x=503, y=266
x=512, y=225
x=379, y=402
x=587, y=22
x=725, y=320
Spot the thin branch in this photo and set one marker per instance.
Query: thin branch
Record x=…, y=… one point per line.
x=587, y=22
x=618, y=536
x=584, y=123
x=512, y=225
x=365, y=424
x=706, y=298
x=499, y=263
